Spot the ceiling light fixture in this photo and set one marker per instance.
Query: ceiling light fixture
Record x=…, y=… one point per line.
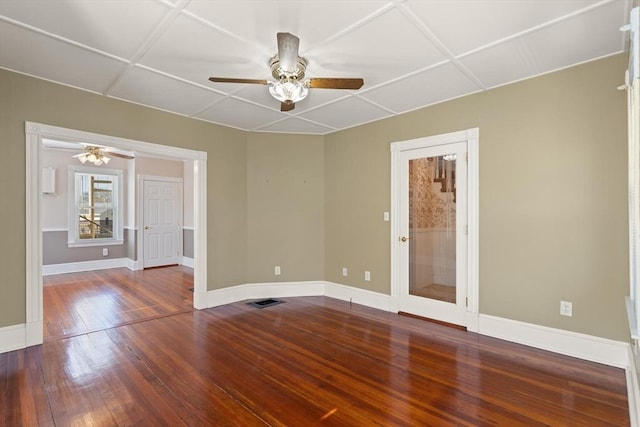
x=93, y=155
x=288, y=90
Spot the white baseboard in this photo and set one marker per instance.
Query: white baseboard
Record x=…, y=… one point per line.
x=582, y=346
x=34, y=333
x=187, y=262
x=13, y=338
x=133, y=265
x=73, y=267
x=359, y=296
x=262, y=290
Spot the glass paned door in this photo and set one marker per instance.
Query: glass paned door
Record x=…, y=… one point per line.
x=432, y=227
x=433, y=241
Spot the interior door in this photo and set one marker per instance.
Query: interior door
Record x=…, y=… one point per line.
x=433, y=241
x=162, y=217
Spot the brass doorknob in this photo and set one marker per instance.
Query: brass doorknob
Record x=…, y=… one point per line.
x=404, y=239
x=146, y=227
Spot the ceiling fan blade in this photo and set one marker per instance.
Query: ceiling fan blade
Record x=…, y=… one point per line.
x=232, y=80
x=337, y=83
x=122, y=156
x=287, y=106
x=288, y=51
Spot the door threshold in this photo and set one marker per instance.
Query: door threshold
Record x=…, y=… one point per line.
x=428, y=319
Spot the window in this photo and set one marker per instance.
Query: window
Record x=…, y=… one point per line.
x=95, y=206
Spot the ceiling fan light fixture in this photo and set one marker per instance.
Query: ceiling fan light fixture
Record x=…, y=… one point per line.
x=288, y=90
x=93, y=155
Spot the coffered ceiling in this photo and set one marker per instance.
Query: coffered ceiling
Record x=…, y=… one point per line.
x=410, y=53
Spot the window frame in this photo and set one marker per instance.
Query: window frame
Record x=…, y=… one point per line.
x=73, y=238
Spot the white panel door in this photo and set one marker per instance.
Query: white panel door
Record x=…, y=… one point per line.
x=162, y=216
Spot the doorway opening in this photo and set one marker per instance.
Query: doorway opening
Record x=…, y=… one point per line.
x=35, y=133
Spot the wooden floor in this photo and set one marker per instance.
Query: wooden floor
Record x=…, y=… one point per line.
x=309, y=361
x=78, y=303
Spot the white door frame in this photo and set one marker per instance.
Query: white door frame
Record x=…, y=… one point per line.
x=34, y=133
x=140, y=214
x=471, y=137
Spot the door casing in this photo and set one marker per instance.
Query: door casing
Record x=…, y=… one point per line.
x=471, y=138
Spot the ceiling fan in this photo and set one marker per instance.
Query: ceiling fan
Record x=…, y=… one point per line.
x=288, y=68
x=98, y=155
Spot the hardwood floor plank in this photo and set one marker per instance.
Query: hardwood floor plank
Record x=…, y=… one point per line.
x=309, y=361
x=78, y=303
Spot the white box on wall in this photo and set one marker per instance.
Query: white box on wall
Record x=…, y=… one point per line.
x=49, y=180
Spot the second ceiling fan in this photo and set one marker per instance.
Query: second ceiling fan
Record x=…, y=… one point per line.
x=288, y=68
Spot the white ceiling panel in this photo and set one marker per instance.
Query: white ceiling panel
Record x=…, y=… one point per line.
x=239, y=114
x=310, y=20
x=149, y=88
x=386, y=47
x=115, y=27
x=466, y=25
x=506, y=62
x=425, y=88
x=346, y=113
x=296, y=125
x=38, y=55
x=194, y=51
x=579, y=39
x=161, y=53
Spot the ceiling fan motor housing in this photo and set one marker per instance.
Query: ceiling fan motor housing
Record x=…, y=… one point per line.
x=278, y=73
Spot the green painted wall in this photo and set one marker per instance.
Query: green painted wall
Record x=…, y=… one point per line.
x=553, y=196
x=552, y=192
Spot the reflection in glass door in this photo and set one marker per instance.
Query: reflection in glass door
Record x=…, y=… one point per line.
x=432, y=240
x=432, y=227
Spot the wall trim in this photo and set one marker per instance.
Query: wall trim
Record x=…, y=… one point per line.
x=633, y=390
x=34, y=133
x=187, y=262
x=574, y=344
x=12, y=338
x=247, y=291
x=357, y=295
x=74, y=267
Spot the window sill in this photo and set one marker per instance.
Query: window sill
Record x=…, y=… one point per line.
x=95, y=242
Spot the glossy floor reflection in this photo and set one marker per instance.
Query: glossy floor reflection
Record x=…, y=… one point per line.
x=309, y=361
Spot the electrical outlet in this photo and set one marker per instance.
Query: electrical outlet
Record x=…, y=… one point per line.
x=566, y=308
x=105, y=251
x=276, y=270
x=345, y=272
x=367, y=276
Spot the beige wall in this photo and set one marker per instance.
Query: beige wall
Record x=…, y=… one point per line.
x=553, y=221
x=285, y=178
x=552, y=192
x=26, y=99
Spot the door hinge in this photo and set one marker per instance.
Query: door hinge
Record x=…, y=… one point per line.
x=466, y=301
